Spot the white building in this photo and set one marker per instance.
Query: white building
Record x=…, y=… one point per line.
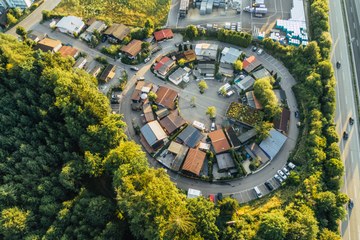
x=16, y=3
x=70, y=25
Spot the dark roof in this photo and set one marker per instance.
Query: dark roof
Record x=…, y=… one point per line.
x=109, y=68
x=234, y=140
x=190, y=136
x=162, y=113
x=247, y=135
x=172, y=122
x=250, y=63
x=225, y=161
x=34, y=35
x=281, y=123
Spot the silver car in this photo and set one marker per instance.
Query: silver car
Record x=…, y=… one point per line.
x=278, y=178
x=286, y=171
x=282, y=174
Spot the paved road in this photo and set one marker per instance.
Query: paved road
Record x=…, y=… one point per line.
x=346, y=107
x=36, y=16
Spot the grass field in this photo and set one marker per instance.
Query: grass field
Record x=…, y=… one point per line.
x=129, y=12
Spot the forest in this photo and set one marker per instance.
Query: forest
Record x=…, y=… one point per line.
x=68, y=170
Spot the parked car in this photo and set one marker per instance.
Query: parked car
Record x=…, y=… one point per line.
x=257, y=192
x=351, y=204
x=134, y=68
x=260, y=51
x=147, y=59
x=338, y=65
x=219, y=196
x=254, y=48
x=351, y=121
x=212, y=127
x=286, y=171
x=297, y=114
x=345, y=135
x=282, y=174
x=278, y=178
x=269, y=185
x=212, y=198
x=141, y=79
x=291, y=165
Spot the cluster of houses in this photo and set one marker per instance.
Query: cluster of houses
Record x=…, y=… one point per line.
x=115, y=33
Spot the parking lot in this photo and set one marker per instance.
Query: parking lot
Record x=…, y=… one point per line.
x=277, y=9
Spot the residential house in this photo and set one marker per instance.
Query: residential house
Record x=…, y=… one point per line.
x=16, y=3
x=152, y=136
x=281, y=123
x=164, y=66
x=36, y=36
x=48, y=44
x=194, y=161
x=244, y=84
x=226, y=69
x=206, y=69
x=172, y=122
x=117, y=32
x=280, y=95
x=262, y=73
x=148, y=113
x=163, y=34
x=273, y=143
x=94, y=71
x=219, y=141
x=180, y=152
x=230, y=55
x=70, y=25
x=189, y=55
x=250, y=63
x=166, y=97
x=256, y=152
x=80, y=62
x=233, y=137
x=190, y=136
x=136, y=96
x=206, y=51
x=108, y=73
x=67, y=51
x=225, y=162
x=246, y=136
x=98, y=26
x=132, y=49
x=161, y=113
x=178, y=76
x=252, y=101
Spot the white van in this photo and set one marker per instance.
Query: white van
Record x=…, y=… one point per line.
x=257, y=192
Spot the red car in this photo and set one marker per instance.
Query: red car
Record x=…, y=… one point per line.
x=212, y=198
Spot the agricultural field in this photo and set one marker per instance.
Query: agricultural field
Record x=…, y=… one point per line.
x=129, y=12
x=244, y=114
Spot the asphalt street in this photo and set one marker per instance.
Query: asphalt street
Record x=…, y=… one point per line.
x=345, y=108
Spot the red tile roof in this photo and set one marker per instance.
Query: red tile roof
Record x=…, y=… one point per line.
x=219, y=141
x=163, y=34
x=281, y=123
x=248, y=61
x=172, y=122
x=194, y=161
x=161, y=63
x=166, y=97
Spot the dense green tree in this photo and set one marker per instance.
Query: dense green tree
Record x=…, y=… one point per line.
x=202, y=86
x=205, y=215
x=312, y=53
x=266, y=96
x=273, y=226
x=191, y=32
x=152, y=96
x=211, y=111
x=263, y=130
x=13, y=222
x=238, y=66
x=21, y=31
x=326, y=234
x=11, y=19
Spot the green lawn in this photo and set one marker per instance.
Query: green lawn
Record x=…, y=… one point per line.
x=129, y=12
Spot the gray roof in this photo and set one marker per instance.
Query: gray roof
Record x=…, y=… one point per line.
x=272, y=144
x=225, y=161
x=250, y=99
x=97, y=25
x=261, y=73
x=206, y=66
x=179, y=73
x=230, y=55
x=190, y=136
x=246, y=83
x=153, y=132
x=247, y=135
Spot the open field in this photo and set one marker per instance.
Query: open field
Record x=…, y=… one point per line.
x=129, y=12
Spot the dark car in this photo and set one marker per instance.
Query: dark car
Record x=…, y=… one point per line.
x=219, y=196
x=345, y=135
x=351, y=204
x=351, y=121
x=269, y=186
x=254, y=48
x=338, y=64
x=297, y=114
